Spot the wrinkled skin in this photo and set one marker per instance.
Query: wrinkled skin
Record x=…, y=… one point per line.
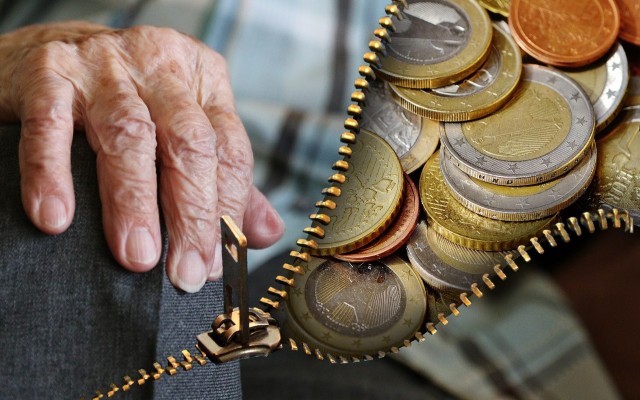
x=148, y=98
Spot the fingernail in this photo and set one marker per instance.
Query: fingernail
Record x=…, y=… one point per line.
x=191, y=272
x=140, y=247
x=274, y=222
x=53, y=212
x=216, y=271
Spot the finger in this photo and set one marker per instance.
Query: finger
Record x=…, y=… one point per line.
x=262, y=223
x=186, y=144
x=235, y=157
x=122, y=134
x=46, y=109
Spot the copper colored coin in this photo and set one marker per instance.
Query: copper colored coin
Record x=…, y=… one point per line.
x=629, y=20
x=565, y=33
x=396, y=235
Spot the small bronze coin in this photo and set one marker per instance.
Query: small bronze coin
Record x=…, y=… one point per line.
x=565, y=33
x=396, y=235
x=629, y=20
x=353, y=309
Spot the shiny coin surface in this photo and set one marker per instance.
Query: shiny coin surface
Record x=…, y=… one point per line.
x=396, y=235
x=447, y=266
x=370, y=197
x=348, y=309
x=519, y=203
x=412, y=137
x=478, y=95
x=462, y=226
x=617, y=180
x=605, y=82
x=542, y=132
x=565, y=33
x=629, y=21
x=438, y=43
x=497, y=6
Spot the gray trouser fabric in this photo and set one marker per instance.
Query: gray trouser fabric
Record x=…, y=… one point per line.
x=73, y=321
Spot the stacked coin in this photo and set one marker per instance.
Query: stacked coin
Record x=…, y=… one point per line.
x=516, y=147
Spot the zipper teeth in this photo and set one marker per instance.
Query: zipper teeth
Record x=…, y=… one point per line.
x=560, y=233
x=185, y=363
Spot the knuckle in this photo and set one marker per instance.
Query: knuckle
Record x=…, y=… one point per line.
x=134, y=197
x=235, y=156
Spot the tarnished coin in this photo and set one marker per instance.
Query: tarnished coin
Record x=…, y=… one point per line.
x=542, y=132
x=497, y=6
x=519, y=203
x=396, y=235
x=617, y=180
x=565, y=33
x=629, y=20
x=438, y=43
x=632, y=98
x=447, y=266
x=478, y=95
x=464, y=227
x=370, y=197
x=349, y=309
x=412, y=137
x=605, y=82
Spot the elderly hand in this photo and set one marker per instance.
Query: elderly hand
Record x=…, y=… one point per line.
x=146, y=97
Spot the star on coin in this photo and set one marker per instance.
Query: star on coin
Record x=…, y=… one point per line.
x=615, y=66
x=611, y=93
x=489, y=200
x=481, y=160
x=513, y=167
x=575, y=97
x=524, y=203
x=297, y=292
x=326, y=336
x=386, y=339
x=306, y=316
x=554, y=194
x=552, y=80
x=407, y=322
x=546, y=161
x=356, y=343
x=459, y=142
x=572, y=144
x=581, y=121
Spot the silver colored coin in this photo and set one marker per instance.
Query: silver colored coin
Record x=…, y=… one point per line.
x=519, y=203
x=447, y=266
x=541, y=133
x=412, y=138
x=605, y=82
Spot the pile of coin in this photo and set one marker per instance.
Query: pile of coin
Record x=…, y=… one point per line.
x=495, y=148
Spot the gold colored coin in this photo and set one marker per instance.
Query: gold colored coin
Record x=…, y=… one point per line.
x=542, y=132
x=617, y=180
x=478, y=95
x=370, y=197
x=438, y=43
x=352, y=309
x=462, y=226
x=497, y=6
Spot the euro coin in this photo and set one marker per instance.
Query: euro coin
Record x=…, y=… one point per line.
x=605, y=82
x=478, y=95
x=519, y=203
x=542, y=132
x=462, y=226
x=412, y=137
x=370, y=197
x=497, y=6
x=438, y=43
x=348, y=309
